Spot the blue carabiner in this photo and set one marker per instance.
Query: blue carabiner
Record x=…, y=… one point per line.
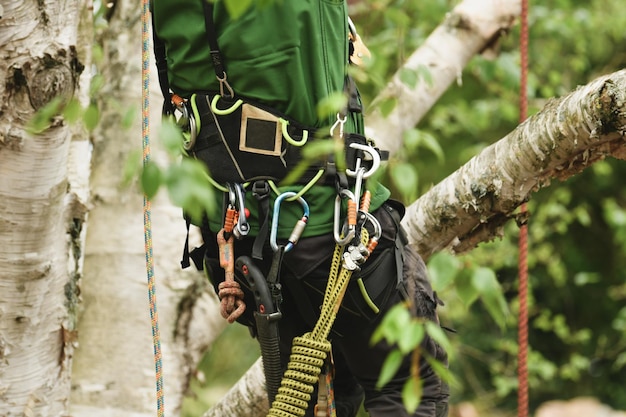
x=298, y=228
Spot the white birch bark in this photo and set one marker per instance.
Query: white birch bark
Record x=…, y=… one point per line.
x=472, y=27
x=40, y=221
x=113, y=373
x=565, y=137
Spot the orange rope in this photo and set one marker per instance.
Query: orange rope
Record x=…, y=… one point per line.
x=522, y=356
x=147, y=222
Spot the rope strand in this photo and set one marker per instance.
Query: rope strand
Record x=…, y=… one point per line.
x=147, y=221
x=522, y=358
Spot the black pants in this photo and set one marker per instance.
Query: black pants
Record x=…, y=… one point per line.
x=357, y=363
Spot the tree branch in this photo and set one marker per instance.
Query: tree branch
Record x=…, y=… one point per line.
x=564, y=138
x=473, y=27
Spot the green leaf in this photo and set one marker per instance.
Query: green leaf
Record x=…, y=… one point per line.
x=236, y=8
x=42, y=119
x=331, y=105
x=390, y=367
x=404, y=176
x=443, y=268
x=97, y=82
x=412, y=394
x=485, y=282
x=465, y=289
x=387, y=105
x=411, y=337
x=128, y=117
x=393, y=324
x=172, y=138
x=72, y=111
x=435, y=331
x=423, y=72
x=431, y=143
x=132, y=167
x=408, y=77
x=151, y=179
x=442, y=370
x=91, y=117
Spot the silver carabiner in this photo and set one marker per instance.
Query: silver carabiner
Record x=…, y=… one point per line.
x=187, y=123
x=298, y=228
x=243, y=227
x=341, y=121
x=351, y=228
x=375, y=160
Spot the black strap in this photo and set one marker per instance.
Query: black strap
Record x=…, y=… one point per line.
x=273, y=277
x=261, y=191
x=160, y=58
x=211, y=34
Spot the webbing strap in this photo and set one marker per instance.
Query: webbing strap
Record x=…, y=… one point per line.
x=216, y=56
x=160, y=58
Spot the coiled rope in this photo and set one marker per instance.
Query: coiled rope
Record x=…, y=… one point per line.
x=522, y=330
x=147, y=222
x=309, y=351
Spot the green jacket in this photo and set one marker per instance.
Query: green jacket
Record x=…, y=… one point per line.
x=288, y=54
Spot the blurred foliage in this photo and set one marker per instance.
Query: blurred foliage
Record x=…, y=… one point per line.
x=577, y=229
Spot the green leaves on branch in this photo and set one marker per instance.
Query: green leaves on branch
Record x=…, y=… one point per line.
x=187, y=181
x=471, y=284
x=407, y=333
x=57, y=111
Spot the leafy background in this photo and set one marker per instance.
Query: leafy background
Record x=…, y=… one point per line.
x=577, y=229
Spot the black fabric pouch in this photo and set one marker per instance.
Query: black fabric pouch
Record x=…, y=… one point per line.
x=241, y=141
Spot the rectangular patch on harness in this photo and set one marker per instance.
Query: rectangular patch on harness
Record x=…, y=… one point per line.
x=260, y=132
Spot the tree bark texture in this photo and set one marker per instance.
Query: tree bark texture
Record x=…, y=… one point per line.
x=113, y=373
x=472, y=27
x=41, y=218
x=246, y=398
x=566, y=136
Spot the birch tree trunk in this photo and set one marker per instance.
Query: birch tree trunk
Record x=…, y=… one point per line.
x=41, y=218
x=472, y=27
x=113, y=373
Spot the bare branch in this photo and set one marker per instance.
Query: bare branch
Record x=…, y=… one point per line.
x=567, y=136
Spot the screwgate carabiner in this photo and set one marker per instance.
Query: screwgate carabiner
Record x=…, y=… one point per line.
x=298, y=228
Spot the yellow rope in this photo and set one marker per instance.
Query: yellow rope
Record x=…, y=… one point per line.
x=309, y=351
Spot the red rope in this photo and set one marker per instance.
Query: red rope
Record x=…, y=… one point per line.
x=522, y=334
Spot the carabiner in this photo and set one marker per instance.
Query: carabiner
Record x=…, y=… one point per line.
x=186, y=122
x=224, y=85
x=243, y=227
x=298, y=228
x=351, y=219
x=375, y=160
x=340, y=122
